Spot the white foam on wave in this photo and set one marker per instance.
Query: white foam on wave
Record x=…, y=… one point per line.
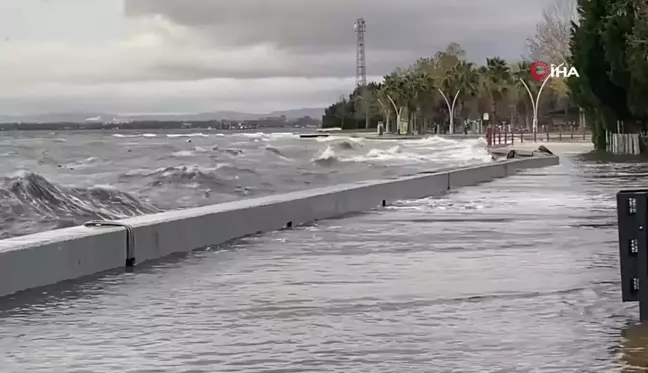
x=254, y=135
x=174, y=135
x=190, y=153
x=184, y=153
x=121, y=135
x=82, y=163
x=326, y=155
x=282, y=135
x=20, y=173
x=395, y=153
x=436, y=148
x=354, y=140
x=430, y=149
x=179, y=169
x=261, y=136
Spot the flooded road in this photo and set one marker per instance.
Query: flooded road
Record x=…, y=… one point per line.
x=517, y=275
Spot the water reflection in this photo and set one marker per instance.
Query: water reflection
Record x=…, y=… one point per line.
x=634, y=354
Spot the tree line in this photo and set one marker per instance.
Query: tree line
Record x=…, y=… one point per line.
x=424, y=93
x=605, y=40
x=609, y=47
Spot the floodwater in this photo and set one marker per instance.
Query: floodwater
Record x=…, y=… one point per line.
x=517, y=275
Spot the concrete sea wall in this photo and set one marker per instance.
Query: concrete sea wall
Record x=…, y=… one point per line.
x=50, y=257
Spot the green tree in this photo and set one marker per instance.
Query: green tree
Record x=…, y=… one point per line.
x=396, y=90
x=523, y=100
x=342, y=111
x=601, y=88
x=365, y=107
x=637, y=50
x=498, y=81
x=416, y=93
x=417, y=84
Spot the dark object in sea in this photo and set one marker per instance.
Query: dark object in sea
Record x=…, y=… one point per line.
x=313, y=135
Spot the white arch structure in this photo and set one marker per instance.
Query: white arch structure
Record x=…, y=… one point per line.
x=451, y=107
x=534, y=103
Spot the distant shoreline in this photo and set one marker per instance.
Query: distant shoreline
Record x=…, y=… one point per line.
x=146, y=125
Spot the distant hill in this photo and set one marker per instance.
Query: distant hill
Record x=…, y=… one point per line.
x=79, y=117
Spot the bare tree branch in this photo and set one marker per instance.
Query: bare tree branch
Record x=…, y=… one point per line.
x=551, y=41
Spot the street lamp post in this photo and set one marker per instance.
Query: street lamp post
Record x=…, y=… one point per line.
x=534, y=103
x=386, y=112
x=398, y=112
x=451, y=107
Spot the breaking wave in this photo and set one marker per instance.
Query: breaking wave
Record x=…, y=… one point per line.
x=326, y=156
x=169, y=135
x=29, y=197
x=190, y=173
x=430, y=149
x=222, y=178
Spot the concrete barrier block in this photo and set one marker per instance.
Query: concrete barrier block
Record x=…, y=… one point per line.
x=49, y=257
x=410, y=187
x=476, y=175
x=538, y=161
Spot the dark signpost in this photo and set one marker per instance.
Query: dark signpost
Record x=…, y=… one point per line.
x=632, y=214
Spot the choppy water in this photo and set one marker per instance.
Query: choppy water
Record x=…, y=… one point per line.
x=53, y=180
x=518, y=275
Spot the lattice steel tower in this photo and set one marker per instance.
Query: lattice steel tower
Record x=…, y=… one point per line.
x=361, y=67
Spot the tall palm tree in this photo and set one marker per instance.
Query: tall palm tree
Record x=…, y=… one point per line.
x=498, y=81
x=467, y=82
x=395, y=89
x=468, y=78
x=459, y=83
x=522, y=73
x=419, y=84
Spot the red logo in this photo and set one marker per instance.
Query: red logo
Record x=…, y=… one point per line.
x=540, y=71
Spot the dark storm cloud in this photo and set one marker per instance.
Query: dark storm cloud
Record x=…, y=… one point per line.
x=315, y=38
x=411, y=27
x=313, y=64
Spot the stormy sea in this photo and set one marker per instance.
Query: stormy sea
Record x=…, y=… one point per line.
x=58, y=179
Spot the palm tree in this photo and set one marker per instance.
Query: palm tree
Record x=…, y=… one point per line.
x=385, y=105
x=498, y=82
x=468, y=78
x=395, y=90
x=419, y=84
x=524, y=99
x=463, y=80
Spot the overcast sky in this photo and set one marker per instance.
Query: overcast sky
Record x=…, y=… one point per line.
x=180, y=56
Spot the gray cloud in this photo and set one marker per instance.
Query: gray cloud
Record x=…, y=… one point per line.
x=410, y=28
x=201, y=55
x=261, y=95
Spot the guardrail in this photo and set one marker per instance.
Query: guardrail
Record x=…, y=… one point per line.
x=49, y=257
x=499, y=136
